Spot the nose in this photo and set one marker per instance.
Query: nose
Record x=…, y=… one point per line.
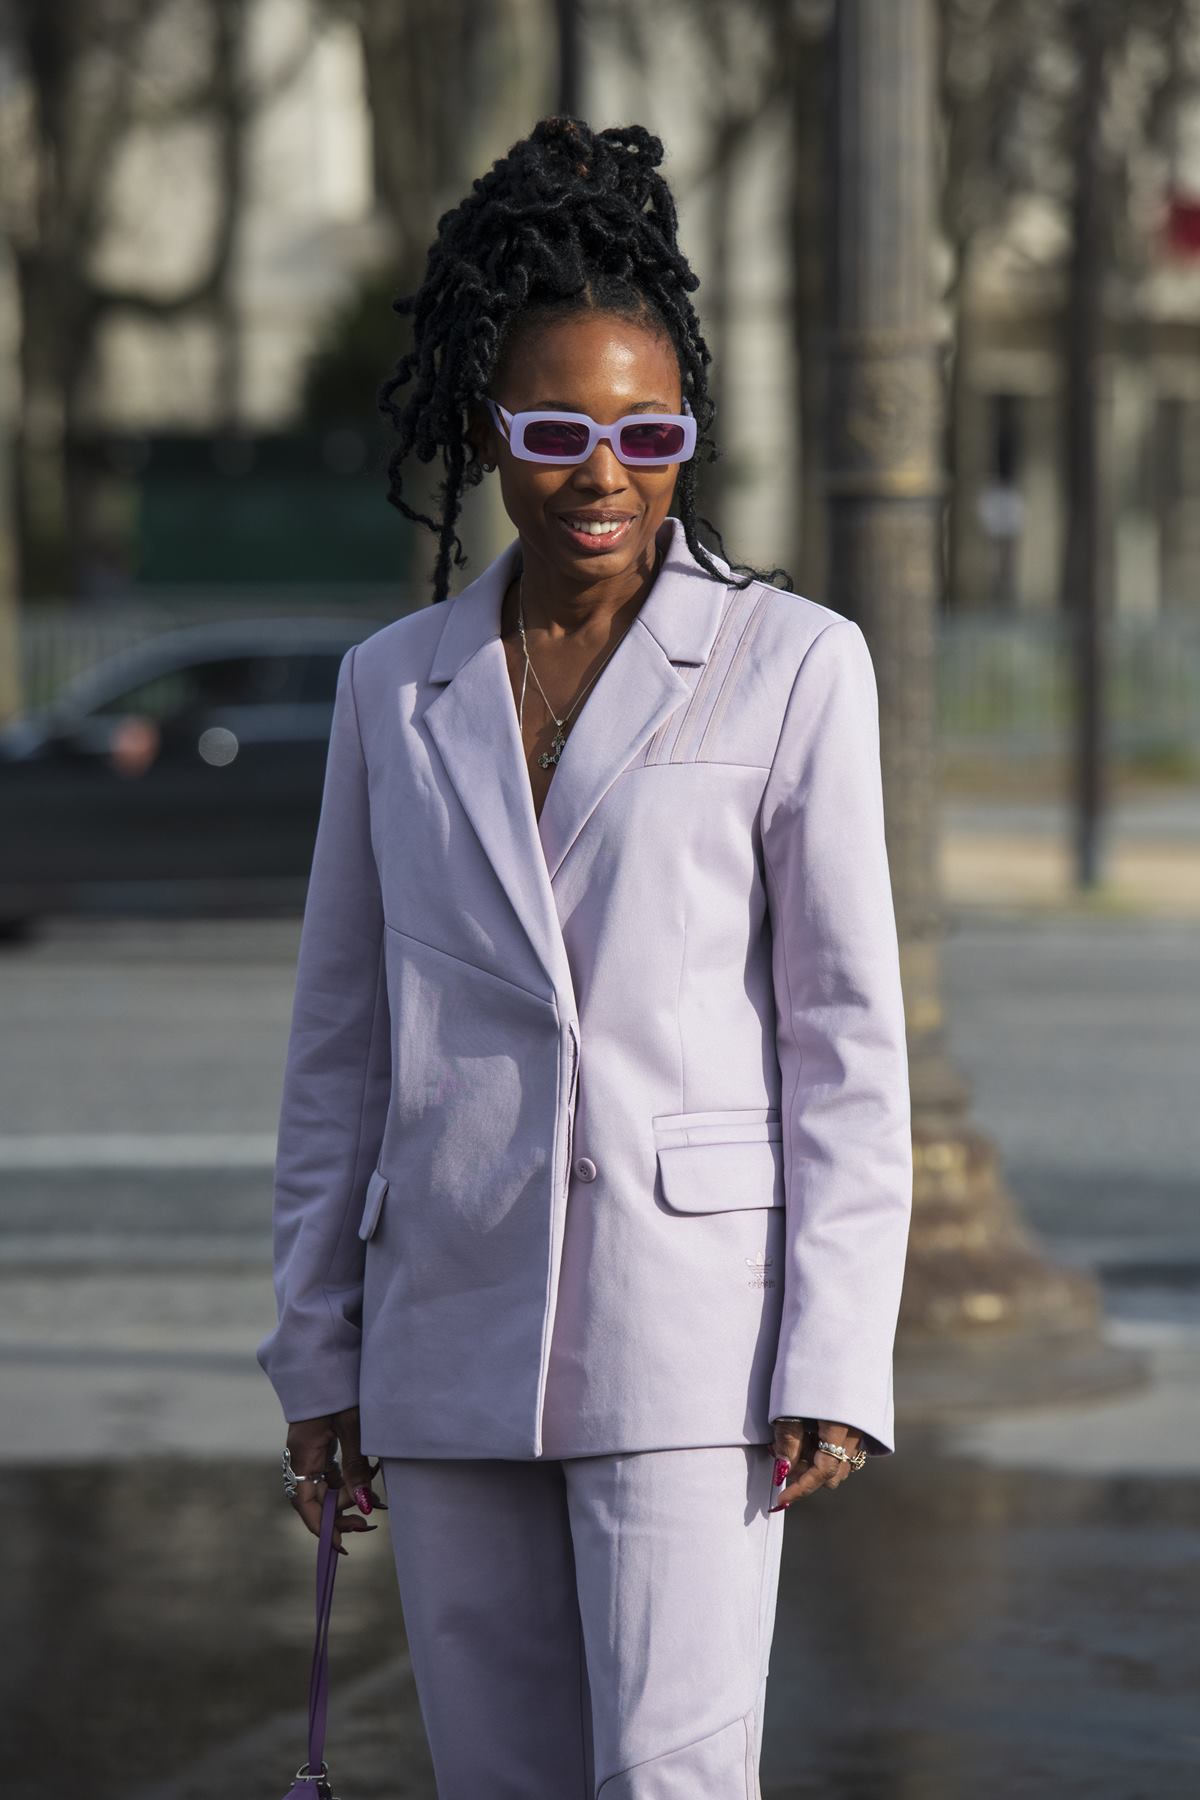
x=604, y=471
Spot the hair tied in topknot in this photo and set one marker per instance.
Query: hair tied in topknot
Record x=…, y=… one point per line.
x=592, y=152
x=571, y=134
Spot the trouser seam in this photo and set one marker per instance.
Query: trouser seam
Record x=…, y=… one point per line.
x=587, y=1787
x=677, y=1750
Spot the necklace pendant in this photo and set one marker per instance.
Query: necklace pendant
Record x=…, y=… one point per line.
x=549, y=757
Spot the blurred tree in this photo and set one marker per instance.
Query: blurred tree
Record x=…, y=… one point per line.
x=355, y=347
x=805, y=51
x=752, y=54
x=439, y=76
x=1063, y=105
x=450, y=84
x=1073, y=104
x=82, y=77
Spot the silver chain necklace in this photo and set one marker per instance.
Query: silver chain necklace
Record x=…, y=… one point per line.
x=548, y=758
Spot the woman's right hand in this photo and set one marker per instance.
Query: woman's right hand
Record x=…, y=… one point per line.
x=312, y=1444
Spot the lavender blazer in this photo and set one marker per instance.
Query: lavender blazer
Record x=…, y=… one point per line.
x=595, y=1130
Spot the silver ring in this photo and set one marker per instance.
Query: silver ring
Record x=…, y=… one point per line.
x=291, y=1480
x=839, y=1450
x=857, y=1461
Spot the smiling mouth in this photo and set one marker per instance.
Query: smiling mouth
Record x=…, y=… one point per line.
x=604, y=535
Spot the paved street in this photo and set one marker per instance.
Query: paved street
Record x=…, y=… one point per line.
x=1007, y=1607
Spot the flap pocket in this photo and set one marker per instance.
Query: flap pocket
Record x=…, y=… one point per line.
x=722, y=1177
x=733, y=1125
x=377, y=1187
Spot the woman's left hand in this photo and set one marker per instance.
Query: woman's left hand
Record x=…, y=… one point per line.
x=808, y=1467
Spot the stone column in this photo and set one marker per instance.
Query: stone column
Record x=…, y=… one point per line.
x=975, y=1272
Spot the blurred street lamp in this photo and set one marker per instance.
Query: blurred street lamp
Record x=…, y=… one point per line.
x=986, y=1316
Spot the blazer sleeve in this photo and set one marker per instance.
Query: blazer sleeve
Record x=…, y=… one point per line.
x=337, y=1079
x=842, y=1046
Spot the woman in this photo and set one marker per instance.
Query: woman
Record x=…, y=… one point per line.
x=594, y=1166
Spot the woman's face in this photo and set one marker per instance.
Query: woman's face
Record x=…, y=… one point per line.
x=605, y=366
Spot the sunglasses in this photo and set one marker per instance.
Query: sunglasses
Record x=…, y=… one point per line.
x=562, y=437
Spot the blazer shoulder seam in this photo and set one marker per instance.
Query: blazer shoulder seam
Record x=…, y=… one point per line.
x=354, y=703
x=833, y=625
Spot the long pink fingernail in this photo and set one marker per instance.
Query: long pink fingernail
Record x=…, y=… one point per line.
x=780, y=1506
x=782, y=1466
x=363, y=1498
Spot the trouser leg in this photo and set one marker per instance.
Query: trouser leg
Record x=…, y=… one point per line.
x=486, y=1572
x=677, y=1571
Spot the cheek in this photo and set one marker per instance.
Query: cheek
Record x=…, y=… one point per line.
x=526, y=490
x=658, y=491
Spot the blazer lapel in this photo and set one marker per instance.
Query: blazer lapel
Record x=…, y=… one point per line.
x=636, y=690
x=473, y=722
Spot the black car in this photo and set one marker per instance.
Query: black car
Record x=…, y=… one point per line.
x=185, y=773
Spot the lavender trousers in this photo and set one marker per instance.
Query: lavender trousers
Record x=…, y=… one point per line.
x=595, y=1626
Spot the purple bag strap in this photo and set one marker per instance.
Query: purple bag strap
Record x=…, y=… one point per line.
x=318, y=1686
x=305, y=1787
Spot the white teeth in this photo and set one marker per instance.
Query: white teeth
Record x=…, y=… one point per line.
x=600, y=530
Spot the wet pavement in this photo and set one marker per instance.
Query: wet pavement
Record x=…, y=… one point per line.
x=945, y=1630
x=1006, y=1607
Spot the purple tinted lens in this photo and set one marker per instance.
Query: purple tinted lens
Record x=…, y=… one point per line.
x=652, y=441
x=556, y=437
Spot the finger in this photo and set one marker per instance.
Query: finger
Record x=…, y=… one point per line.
x=787, y=1441
x=810, y=1478
x=798, y=1442
x=824, y=1470
x=356, y=1468
x=814, y=1470
x=373, y=1493
x=308, y=1501
x=311, y=1446
x=788, y=1444
x=849, y=1440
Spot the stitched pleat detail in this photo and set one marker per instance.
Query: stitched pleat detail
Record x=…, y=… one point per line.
x=691, y=723
x=729, y=678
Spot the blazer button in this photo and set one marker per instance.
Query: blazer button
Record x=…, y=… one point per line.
x=585, y=1168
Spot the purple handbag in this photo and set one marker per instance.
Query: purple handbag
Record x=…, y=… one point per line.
x=316, y=1786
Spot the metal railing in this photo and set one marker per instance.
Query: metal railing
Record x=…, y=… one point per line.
x=60, y=639
x=1005, y=685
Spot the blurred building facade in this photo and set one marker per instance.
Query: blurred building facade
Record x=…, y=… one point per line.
x=308, y=228
x=1009, y=521
x=314, y=224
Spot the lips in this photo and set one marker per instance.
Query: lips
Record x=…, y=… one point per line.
x=596, y=543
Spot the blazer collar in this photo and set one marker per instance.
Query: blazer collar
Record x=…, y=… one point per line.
x=473, y=723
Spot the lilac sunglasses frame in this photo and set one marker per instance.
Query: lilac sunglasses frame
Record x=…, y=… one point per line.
x=512, y=428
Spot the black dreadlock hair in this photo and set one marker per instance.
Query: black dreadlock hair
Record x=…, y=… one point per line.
x=570, y=219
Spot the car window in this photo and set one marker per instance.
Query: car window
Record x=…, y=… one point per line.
x=156, y=699
x=224, y=681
